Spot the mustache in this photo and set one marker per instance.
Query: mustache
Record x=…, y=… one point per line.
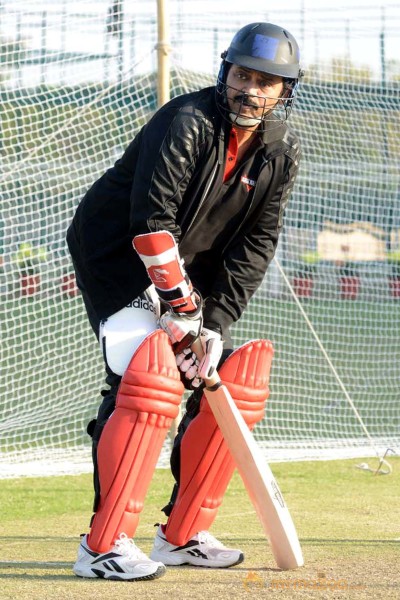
x=245, y=100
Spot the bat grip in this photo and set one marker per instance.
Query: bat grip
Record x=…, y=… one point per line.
x=185, y=342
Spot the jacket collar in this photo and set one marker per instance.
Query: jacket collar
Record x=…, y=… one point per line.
x=274, y=131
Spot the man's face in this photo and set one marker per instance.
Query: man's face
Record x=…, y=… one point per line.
x=252, y=94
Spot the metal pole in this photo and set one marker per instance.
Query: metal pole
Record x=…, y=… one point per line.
x=63, y=41
x=303, y=25
x=217, y=59
x=382, y=47
x=121, y=19
x=163, y=52
x=43, y=43
x=19, y=46
x=347, y=29
x=317, y=55
x=384, y=120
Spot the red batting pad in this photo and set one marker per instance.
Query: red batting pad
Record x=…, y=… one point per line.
x=206, y=463
x=148, y=400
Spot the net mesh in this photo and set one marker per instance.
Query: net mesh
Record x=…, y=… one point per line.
x=77, y=81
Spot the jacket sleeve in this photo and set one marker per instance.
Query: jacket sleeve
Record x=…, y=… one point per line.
x=168, y=155
x=247, y=258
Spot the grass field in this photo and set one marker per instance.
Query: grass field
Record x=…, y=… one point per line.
x=348, y=522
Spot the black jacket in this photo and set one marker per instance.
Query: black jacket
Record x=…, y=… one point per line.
x=171, y=177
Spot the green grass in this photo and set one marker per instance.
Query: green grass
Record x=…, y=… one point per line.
x=347, y=520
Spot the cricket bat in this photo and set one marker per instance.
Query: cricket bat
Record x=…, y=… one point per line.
x=257, y=476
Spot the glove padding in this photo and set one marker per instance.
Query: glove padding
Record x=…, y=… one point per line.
x=191, y=369
x=212, y=344
x=188, y=364
x=182, y=328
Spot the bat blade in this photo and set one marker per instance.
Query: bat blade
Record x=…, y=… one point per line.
x=259, y=481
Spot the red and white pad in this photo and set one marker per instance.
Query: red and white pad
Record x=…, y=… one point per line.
x=206, y=463
x=147, y=402
x=160, y=255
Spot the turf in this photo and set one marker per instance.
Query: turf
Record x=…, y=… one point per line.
x=347, y=521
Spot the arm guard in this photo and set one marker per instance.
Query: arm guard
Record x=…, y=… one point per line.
x=160, y=255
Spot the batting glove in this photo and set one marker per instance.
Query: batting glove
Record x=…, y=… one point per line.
x=182, y=328
x=188, y=364
x=212, y=344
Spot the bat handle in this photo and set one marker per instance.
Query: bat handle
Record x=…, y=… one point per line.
x=214, y=379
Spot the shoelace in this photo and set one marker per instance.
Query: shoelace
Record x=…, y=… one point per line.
x=127, y=547
x=205, y=537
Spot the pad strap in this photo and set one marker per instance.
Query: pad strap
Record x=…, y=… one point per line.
x=159, y=253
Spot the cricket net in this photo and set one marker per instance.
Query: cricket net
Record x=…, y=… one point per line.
x=76, y=83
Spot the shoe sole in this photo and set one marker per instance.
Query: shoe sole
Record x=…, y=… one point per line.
x=166, y=560
x=98, y=574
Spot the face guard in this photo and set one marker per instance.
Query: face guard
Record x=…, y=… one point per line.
x=262, y=112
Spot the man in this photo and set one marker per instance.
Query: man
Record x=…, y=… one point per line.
x=201, y=191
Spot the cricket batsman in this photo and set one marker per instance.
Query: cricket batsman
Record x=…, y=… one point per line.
x=168, y=246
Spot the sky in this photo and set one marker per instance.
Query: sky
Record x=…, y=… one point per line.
x=323, y=28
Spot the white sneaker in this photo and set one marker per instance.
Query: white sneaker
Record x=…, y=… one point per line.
x=123, y=562
x=202, y=550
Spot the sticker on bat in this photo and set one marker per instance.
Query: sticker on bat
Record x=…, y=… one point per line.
x=277, y=494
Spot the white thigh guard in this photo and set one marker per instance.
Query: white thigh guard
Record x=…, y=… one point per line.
x=122, y=333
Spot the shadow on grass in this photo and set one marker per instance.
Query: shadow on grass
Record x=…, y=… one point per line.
x=30, y=568
x=352, y=541
x=31, y=564
x=38, y=538
x=34, y=564
x=31, y=577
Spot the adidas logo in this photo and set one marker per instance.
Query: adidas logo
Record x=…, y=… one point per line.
x=140, y=303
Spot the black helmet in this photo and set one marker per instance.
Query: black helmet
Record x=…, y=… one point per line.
x=266, y=48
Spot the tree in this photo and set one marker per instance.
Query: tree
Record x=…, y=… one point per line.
x=393, y=69
x=339, y=69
